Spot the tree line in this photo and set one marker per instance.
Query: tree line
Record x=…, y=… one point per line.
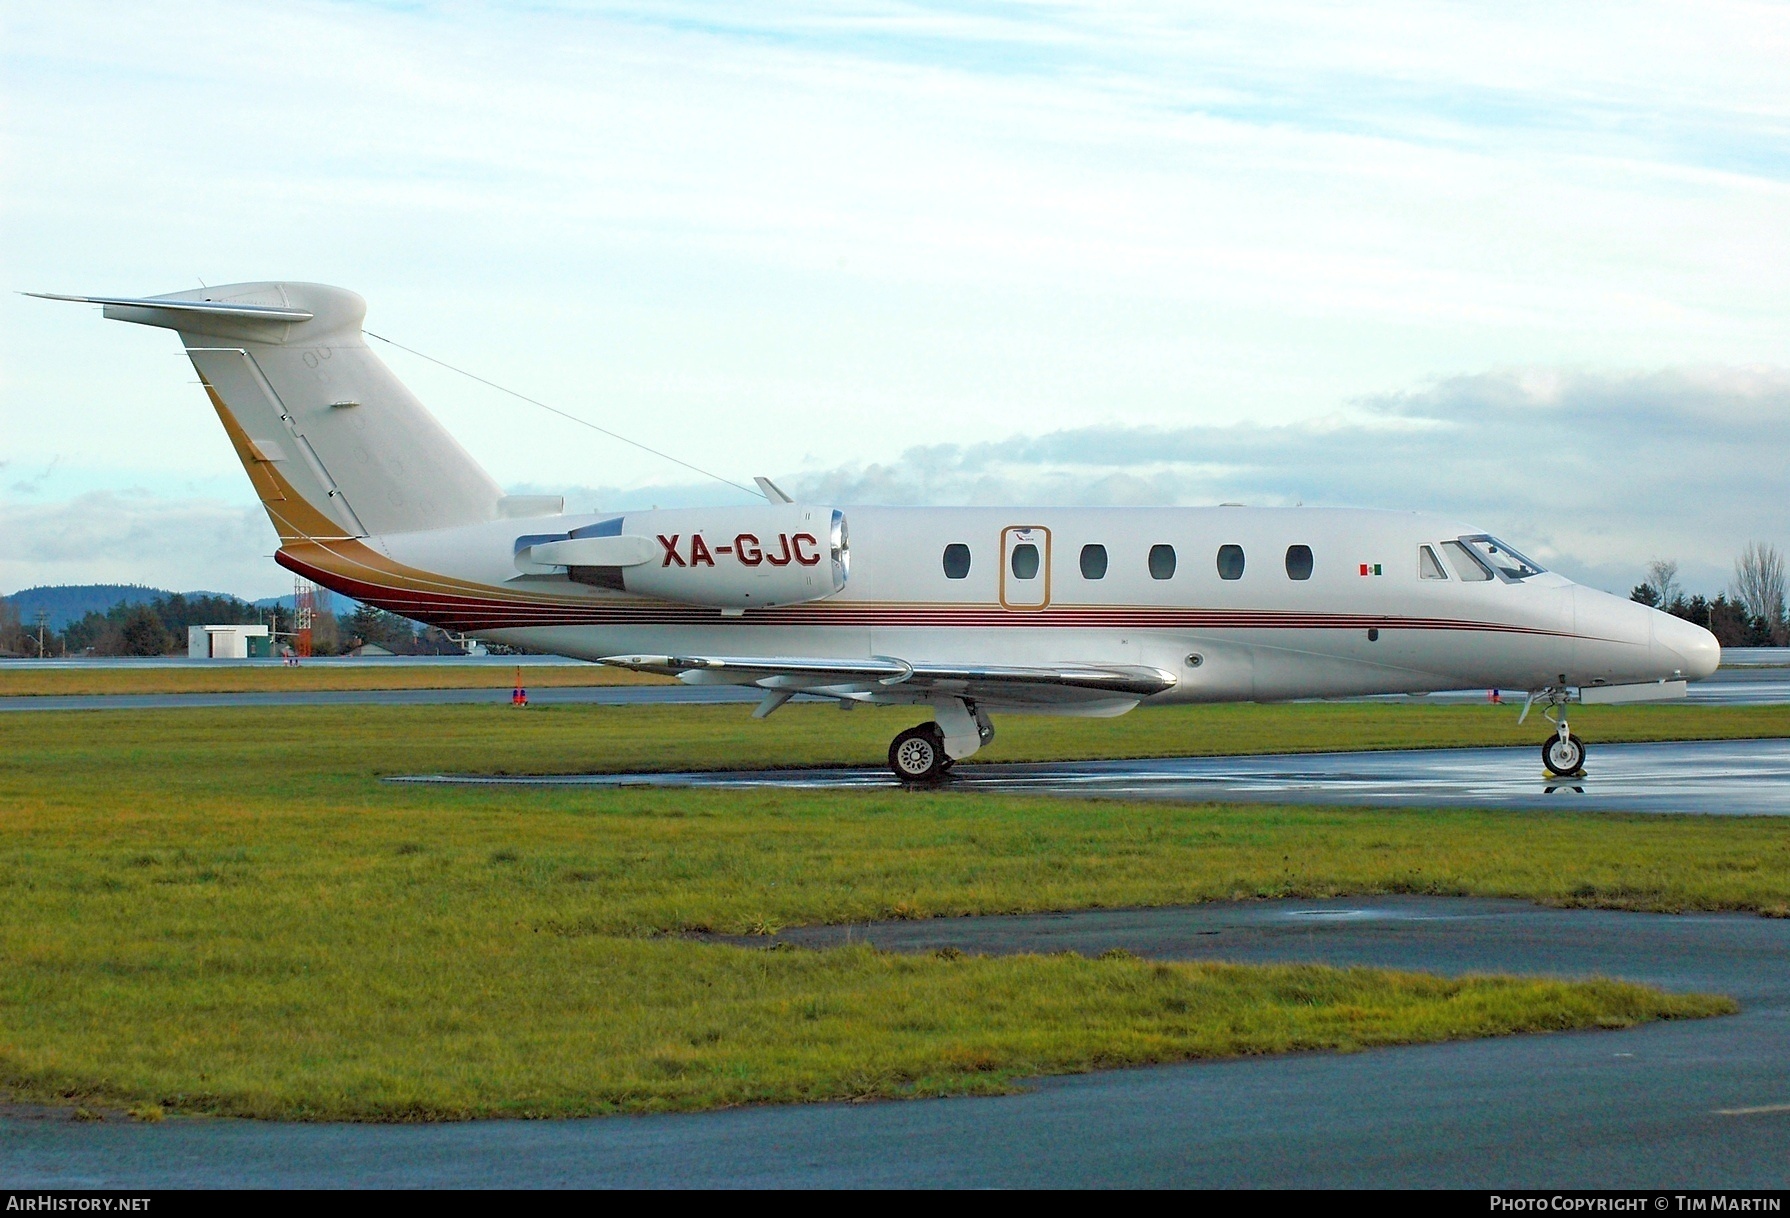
x=1749, y=613
x=159, y=628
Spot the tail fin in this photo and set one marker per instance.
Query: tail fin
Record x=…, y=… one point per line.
x=333, y=442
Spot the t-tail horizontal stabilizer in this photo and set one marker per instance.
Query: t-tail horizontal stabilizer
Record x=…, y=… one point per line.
x=334, y=444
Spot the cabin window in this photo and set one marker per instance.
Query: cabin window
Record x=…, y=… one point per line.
x=1466, y=563
x=1428, y=565
x=957, y=560
x=1162, y=562
x=1230, y=562
x=1093, y=562
x=1298, y=562
x=1025, y=561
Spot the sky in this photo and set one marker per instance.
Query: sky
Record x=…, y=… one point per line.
x=1525, y=264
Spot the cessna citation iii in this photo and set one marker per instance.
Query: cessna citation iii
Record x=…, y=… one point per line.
x=969, y=612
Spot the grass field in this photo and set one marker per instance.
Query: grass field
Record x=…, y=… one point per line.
x=204, y=678
x=206, y=911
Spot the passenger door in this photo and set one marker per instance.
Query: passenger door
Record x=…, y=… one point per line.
x=1025, y=566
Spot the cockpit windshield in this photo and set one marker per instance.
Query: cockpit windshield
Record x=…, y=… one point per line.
x=1504, y=560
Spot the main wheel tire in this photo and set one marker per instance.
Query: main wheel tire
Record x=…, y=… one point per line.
x=918, y=754
x=1562, y=758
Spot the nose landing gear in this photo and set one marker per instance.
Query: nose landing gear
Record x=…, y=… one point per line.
x=1562, y=754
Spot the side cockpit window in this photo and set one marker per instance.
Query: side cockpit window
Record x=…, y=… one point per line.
x=1468, y=565
x=1428, y=565
x=1502, y=559
x=957, y=560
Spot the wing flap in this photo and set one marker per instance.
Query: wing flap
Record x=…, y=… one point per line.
x=874, y=672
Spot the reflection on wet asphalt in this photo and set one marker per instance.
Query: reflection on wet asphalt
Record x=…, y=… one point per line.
x=1686, y=1104
x=1719, y=777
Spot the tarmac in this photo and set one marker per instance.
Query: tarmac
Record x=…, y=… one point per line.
x=1710, y=777
x=1677, y=1105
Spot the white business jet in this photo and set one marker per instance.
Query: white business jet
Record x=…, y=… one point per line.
x=969, y=612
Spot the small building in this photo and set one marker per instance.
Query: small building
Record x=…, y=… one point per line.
x=228, y=642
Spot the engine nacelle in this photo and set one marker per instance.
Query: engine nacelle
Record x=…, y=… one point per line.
x=736, y=558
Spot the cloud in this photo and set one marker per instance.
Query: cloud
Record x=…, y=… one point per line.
x=1593, y=473
x=1076, y=252
x=745, y=232
x=135, y=537
x=1597, y=473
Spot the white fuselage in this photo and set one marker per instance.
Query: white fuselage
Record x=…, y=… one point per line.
x=1263, y=635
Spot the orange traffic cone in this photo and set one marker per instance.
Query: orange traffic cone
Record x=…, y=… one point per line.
x=518, y=695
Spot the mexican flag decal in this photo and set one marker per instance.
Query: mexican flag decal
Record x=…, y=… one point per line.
x=1370, y=568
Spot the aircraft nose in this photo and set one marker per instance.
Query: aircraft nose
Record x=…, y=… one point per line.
x=1686, y=646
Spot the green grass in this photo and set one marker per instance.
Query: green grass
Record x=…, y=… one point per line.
x=204, y=677
x=227, y=912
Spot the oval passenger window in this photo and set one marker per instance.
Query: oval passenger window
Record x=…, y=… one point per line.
x=1025, y=561
x=1093, y=562
x=1162, y=562
x=1230, y=562
x=1298, y=562
x=957, y=560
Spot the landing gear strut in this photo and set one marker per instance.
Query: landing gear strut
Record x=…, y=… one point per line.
x=1562, y=754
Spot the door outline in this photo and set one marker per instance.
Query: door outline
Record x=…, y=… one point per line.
x=1038, y=535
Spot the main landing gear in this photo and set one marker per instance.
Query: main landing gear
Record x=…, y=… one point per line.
x=918, y=754
x=1562, y=754
x=922, y=754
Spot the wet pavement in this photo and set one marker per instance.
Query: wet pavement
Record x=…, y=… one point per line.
x=1691, y=1104
x=1711, y=777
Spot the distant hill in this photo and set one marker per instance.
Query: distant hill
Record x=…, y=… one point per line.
x=71, y=602
x=327, y=601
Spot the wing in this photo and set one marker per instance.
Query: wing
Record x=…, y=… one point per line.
x=887, y=679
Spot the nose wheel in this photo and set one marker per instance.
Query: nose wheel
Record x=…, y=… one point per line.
x=918, y=755
x=1563, y=756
